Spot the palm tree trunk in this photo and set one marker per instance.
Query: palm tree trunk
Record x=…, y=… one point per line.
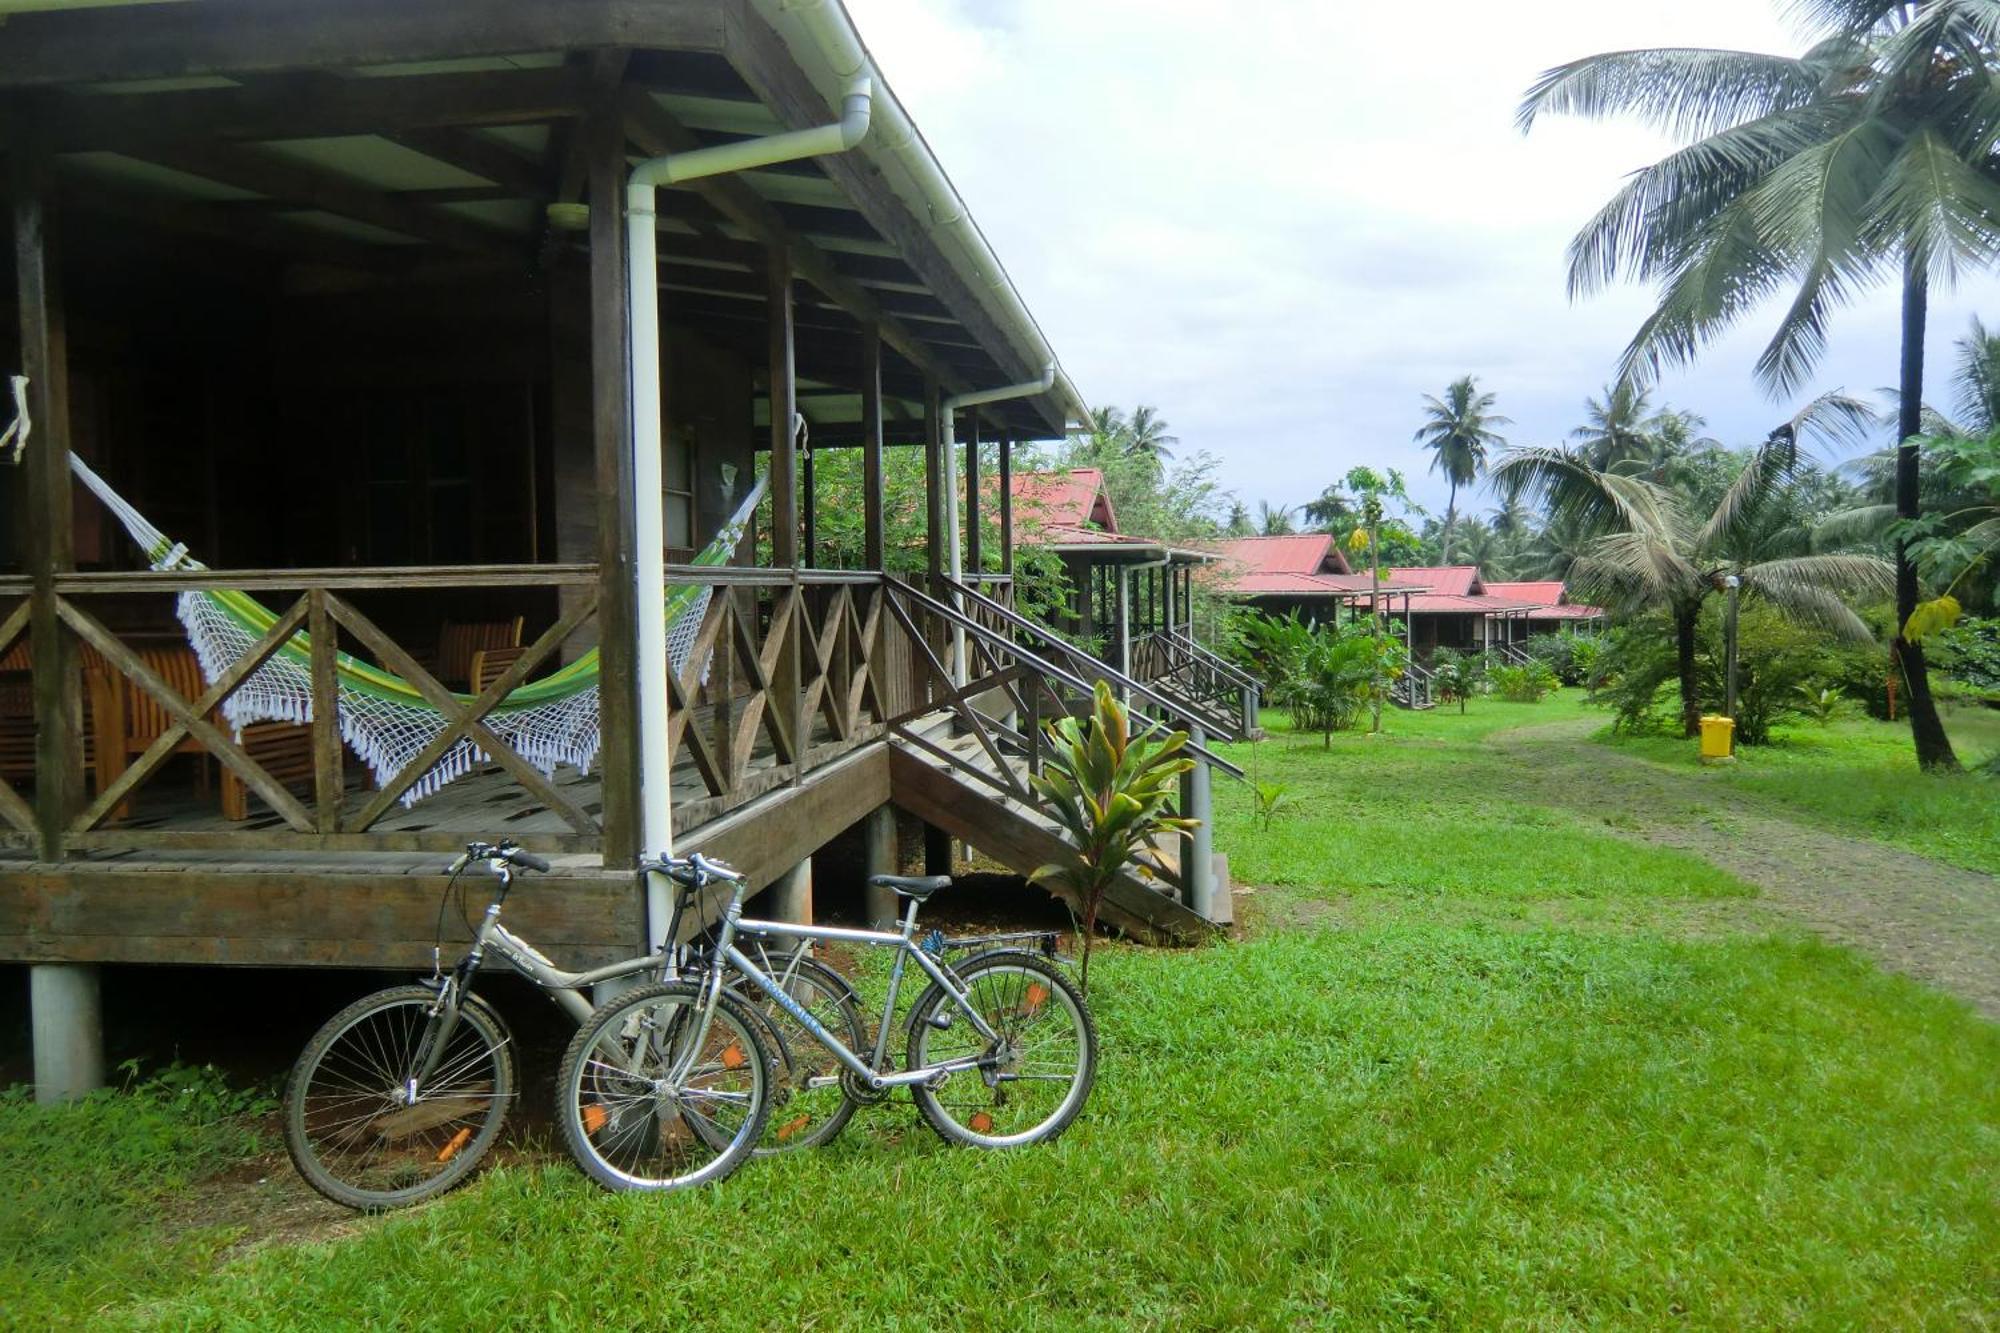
x=1684, y=625
x=1450, y=517
x=1933, y=746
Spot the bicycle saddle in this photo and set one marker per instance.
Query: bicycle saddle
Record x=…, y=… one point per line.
x=919, y=887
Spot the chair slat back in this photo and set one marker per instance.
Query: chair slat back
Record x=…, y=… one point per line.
x=459, y=640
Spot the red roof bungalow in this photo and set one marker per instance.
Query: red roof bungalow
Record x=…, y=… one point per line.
x=1449, y=606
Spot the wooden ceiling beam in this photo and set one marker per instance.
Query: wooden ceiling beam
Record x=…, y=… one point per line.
x=259, y=231
x=488, y=159
x=247, y=168
x=276, y=109
x=247, y=36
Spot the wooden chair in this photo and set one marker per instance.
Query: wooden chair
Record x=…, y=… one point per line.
x=128, y=720
x=489, y=664
x=17, y=710
x=459, y=641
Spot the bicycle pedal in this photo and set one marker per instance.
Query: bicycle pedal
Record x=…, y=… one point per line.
x=939, y=1021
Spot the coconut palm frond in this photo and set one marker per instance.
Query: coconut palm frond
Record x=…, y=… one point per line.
x=1726, y=270
x=1572, y=492
x=1688, y=92
x=1849, y=527
x=1631, y=566
x=1831, y=571
x=1836, y=421
x=1816, y=607
x=1638, y=233
x=1937, y=206
x=1750, y=495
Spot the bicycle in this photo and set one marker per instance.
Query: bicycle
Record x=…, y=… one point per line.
x=642, y=1095
x=370, y=1122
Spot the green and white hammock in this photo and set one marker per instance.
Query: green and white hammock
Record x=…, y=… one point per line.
x=382, y=717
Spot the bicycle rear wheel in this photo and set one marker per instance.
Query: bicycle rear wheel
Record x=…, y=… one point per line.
x=1040, y=1071
x=348, y=1127
x=809, y=1107
x=649, y=1101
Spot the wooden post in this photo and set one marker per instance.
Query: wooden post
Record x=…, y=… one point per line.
x=873, y=552
x=784, y=403
x=975, y=565
x=51, y=548
x=611, y=427
x=934, y=481
x=1006, y=506
x=327, y=781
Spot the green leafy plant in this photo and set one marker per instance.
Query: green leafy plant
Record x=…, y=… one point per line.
x=1526, y=684
x=1457, y=676
x=1110, y=791
x=1818, y=701
x=1271, y=799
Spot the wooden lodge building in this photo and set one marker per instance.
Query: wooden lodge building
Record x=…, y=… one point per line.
x=338, y=294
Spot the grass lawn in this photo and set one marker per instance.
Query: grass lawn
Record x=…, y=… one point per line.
x=1479, y=1061
x=1859, y=776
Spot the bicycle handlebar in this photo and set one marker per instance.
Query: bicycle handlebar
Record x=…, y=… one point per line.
x=694, y=871
x=505, y=851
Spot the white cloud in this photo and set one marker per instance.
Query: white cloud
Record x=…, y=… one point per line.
x=1282, y=222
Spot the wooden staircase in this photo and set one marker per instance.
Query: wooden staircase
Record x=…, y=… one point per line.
x=946, y=794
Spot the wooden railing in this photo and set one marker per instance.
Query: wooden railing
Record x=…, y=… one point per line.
x=1225, y=696
x=185, y=711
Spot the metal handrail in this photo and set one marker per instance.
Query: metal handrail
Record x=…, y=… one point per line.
x=1211, y=659
x=1048, y=668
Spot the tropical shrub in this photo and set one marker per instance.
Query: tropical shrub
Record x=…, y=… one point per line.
x=1111, y=791
x=1325, y=675
x=1529, y=683
x=1969, y=653
x=1457, y=676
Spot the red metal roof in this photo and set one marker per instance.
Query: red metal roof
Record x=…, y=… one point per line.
x=1541, y=592
x=1451, y=580
x=1072, y=499
x=1297, y=553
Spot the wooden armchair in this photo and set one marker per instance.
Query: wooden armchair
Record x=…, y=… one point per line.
x=127, y=720
x=17, y=710
x=460, y=640
x=489, y=664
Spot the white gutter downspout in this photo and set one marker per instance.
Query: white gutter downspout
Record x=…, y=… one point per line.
x=949, y=410
x=649, y=572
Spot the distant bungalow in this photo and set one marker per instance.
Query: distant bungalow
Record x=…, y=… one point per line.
x=1446, y=606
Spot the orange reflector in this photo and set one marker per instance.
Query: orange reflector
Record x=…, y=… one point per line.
x=1037, y=995
x=594, y=1117
x=981, y=1122
x=792, y=1127
x=457, y=1141
x=732, y=1056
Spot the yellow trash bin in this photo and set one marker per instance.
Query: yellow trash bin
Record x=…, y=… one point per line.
x=1718, y=739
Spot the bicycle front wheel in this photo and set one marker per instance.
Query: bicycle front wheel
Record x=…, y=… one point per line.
x=649, y=1100
x=350, y=1127
x=809, y=1107
x=1031, y=1083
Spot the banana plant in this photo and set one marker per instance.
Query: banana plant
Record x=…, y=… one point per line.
x=1110, y=790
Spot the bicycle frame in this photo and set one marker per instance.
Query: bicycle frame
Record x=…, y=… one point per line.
x=870, y=1071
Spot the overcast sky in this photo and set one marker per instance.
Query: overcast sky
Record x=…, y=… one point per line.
x=1283, y=222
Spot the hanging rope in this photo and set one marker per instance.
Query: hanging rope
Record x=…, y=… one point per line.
x=16, y=434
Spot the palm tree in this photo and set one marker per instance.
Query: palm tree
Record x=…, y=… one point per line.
x=1458, y=429
x=1238, y=523
x=1649, y=550
x=1334, y=511
x=1274, y=520
x=1868, y=158
x=1145, y=436
x=1619, y=429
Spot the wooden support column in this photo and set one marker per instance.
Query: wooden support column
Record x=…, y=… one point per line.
x=1006, y=506
x=934, y=480
x=872, y=547
x=611, y=428
x=784, y=402
x=51, y=548
x=974, y=548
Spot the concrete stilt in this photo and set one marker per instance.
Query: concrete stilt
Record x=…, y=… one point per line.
x=879, y=849
x=1197, y=803
x=790, y=898
x=67, y=1019
x=937, y=851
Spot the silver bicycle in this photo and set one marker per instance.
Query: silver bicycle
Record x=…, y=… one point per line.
x=664, y=1087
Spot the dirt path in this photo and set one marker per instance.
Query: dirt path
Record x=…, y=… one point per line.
x=1936, y=922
